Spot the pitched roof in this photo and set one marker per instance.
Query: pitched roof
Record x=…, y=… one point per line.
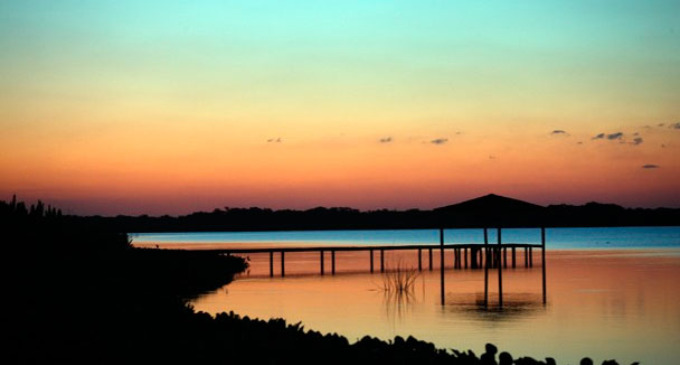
x=493, y=202
x=493, y=210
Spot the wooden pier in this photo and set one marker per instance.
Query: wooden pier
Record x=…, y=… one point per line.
x=465, y=255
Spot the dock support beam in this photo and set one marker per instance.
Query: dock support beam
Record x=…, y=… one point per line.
x=465, y=254
x=441, y=263
x=487, y=257
x=283, y=263
x=382, y=260
x=420, y=259
x=332, y=262
x=371, y=253
x=545, y=297
x=430, y=253
x=526, y=256
x=500, y=271
x=322, y=263
x=271, y=264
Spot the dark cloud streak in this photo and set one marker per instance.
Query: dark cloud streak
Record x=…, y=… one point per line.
x=614, y=136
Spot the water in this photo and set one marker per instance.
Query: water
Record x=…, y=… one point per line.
x=557, y=238
x=612, y=292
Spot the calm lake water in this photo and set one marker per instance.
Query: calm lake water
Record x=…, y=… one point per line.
x=612, y=292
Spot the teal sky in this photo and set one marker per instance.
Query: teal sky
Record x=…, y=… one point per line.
x=124, y=94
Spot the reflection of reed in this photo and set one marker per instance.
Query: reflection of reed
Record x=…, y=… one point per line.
x=398, y=286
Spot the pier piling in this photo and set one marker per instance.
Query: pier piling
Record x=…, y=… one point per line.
x=271, y=264
x=283, y=263
x=332, y=262
x=321, y=257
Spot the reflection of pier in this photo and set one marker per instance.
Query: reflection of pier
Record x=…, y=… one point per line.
x=465, y=255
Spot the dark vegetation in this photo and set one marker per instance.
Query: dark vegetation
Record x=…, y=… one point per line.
x=490, y=211
x=78, y=293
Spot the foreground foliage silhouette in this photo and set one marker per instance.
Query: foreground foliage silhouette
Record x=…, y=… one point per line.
x=79, y=294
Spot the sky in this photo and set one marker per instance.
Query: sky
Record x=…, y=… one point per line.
x=169, y=107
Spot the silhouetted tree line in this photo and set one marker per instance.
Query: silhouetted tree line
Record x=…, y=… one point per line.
x=78, y=293
x=256, y=219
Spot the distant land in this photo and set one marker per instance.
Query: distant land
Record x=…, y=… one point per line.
x=486, y=211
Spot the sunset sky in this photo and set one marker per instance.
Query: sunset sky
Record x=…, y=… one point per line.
x=131, y=107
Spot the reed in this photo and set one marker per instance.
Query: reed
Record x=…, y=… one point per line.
x=399, y=280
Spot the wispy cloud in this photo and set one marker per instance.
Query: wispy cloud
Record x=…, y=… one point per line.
x=609, y=136
x=614, y=136
x=675, y=126
x=650, y=166
x=386, y=140
x=558, y=132
x=636, y=141
x=275, y=140
x=439, y=141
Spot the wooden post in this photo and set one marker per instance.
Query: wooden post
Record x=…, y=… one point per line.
x=531, y=257
x=441, y=260
x=332, y=262
x=500, y=271
x=465, y=254
x=283, y=263
x=371, y=253
x=420, y=260
x=486, y=280
x=505, y=257
x=322, y=263
x=487, y=259
x=513, y=257
x=545, y=297
x=430, y=253
x=271, y=264
x=382, y=260
x=526, y=256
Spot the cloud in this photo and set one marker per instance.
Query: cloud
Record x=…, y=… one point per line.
x=614, y=136
x=439, y=141
x=636, y=141
x=386, y=140
x=275, y=140
x=559, y=132
x=675, y=126
x=650, y=166
x=599, y=136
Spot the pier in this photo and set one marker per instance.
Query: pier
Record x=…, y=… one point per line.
x=465, y=255
x=485, y=256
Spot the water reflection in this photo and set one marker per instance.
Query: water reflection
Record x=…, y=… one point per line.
x=515, y=306
x=602, y=304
